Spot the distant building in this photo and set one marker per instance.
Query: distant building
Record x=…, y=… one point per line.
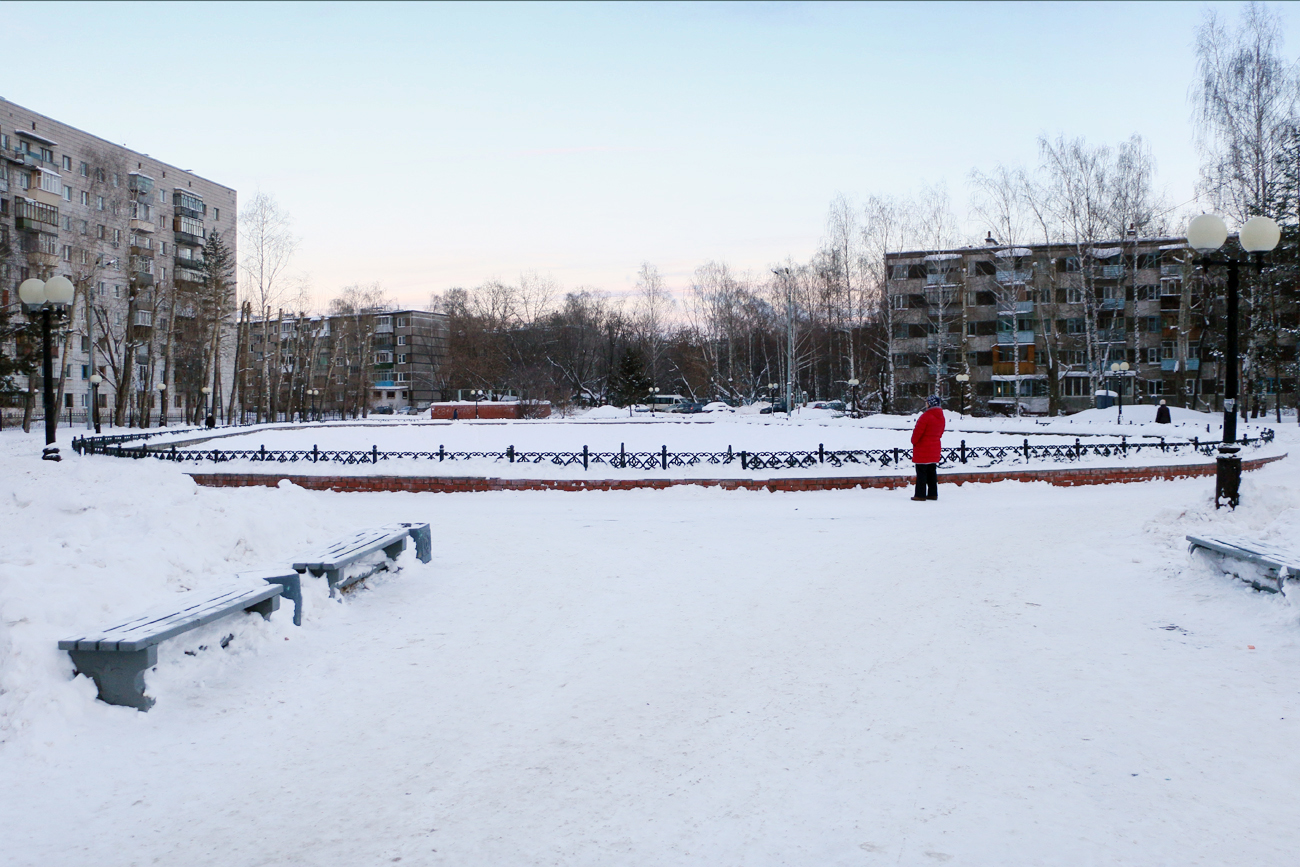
x=128, y=230
x=1041, y=325
x=359, y=361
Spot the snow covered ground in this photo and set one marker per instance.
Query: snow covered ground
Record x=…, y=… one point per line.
x=1014, y=674
x=608, y=430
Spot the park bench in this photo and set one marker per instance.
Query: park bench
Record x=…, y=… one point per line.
x=1278, y=563
x=116, y=658
x=334, y=559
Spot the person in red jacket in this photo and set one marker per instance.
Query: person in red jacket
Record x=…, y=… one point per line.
x=926, y=437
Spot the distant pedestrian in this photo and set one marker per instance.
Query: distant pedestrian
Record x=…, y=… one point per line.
x=1162, y=414
x=926, y=453
x=455, y=414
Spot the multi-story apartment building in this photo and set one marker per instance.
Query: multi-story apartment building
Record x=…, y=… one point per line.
x=129, y=231
x=353, y=361
x=1040, y=327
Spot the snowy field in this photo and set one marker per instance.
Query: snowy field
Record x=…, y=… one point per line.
x=1014, y=674
x=608, y=430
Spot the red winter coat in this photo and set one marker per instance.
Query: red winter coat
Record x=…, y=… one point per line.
x=926, y=436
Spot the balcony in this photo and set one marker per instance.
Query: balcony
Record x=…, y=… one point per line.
x=1111, y=335
x=1110, y=272
x=1023, y=338
x=141, y=278
x=187, y=275
x=145, y=226
x=1018, y=275
x=188, y=239
x=1112, y=304
x=1013, y=368
x=1193, y=363
x=1172, y=270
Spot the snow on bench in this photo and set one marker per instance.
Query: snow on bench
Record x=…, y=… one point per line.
x=116, y=658
x=1278, y=563
x=338, y=556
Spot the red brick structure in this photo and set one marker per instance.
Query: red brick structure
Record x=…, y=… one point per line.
x=1065, y=477
x=490, y=409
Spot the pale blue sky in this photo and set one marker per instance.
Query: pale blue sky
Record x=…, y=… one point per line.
x=429, y=146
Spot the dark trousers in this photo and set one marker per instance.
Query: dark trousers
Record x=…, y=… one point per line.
x=927, y=481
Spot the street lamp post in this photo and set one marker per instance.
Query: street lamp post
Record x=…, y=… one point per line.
x=48, y=298
x=962, y=380
x=1117, y=371
x=853, y=384
x=95, y=380
x=1206, y=234
x=311, y=393
x=207, y=420
x=162, y=404
x=654, y=390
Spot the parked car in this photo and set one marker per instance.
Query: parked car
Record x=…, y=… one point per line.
x=382, y=410
x=407, y=410
x=777, y=406
x=689, y=406
x=718, y=406
x=834, y=405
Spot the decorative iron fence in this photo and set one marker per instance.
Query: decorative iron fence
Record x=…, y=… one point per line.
x=117, y=446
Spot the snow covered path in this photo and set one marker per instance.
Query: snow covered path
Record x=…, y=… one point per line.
x=703, y=677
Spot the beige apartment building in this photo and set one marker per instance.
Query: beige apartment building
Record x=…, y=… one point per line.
x=1038, y=328
x=129, y=231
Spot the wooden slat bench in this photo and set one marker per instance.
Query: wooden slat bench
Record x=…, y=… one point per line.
x=1278, y=563
x=117, y=657
x=391, y=539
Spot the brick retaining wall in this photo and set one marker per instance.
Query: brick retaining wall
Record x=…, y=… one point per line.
x=1066, y=477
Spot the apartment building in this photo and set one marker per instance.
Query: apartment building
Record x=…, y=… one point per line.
x=1037, y=328
x=370, y=359
x=129, y=231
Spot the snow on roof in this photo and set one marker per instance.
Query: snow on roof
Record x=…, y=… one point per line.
x=942, y=257
x=1182, y=246
x=1014, y=251
x=34, y=136
x=1105, y=252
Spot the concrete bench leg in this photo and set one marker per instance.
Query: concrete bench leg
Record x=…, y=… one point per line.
x=393, y=551
x=265, y=607
x=423, y=542
x=119, y=674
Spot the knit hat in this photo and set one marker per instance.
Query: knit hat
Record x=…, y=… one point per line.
x=933, y=401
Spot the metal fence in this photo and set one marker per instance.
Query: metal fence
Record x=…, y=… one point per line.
x=118, y=446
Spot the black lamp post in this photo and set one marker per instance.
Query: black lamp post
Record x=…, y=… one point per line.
x=1117, y=372
x=207, y=420
x=162, y=404
x=1206, y=234
x=853, y=384
x=963, y=380
x=95, y=380
x=48, y=298
x=654, y=390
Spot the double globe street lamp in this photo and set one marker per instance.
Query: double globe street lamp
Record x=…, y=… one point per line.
x=47, y=298
x=95, y=380
x=1207, y=234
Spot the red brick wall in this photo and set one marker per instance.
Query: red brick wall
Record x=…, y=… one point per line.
x=468, y=410
x=1066, y=477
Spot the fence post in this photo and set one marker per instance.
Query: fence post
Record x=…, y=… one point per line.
x=374, y=454
x=1123, y=445
x=1078, y=453
x=315, y=453
x=744, y=460
x=664, y=452
x=262, y=454
x=622, y=455
x=963, y=451
x=441, y=453
x=584, y=457
x=821, y=453
x=895, y=457
x=1026, y=449
x=510, y=454
x=729, y=457
x=1162, y=444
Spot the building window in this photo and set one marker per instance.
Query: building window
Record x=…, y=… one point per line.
x=401, y=339
x=216, y=213
x=67, y=193
x=1153, y=354
x=99, y=203
x=117, y=236
x=401, y=359
x=403, y=377
x=67, y=253
x=403, y=322
x=84, y=170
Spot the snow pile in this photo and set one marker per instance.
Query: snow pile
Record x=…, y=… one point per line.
x=606, y=411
